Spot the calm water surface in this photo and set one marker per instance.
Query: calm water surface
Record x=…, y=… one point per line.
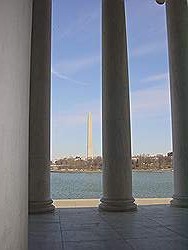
x=89, y=185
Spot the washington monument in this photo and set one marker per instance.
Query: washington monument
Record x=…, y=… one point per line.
x=89, y=137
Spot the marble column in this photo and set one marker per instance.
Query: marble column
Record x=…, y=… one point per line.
x=15, y=44
x=39, y=129
x=117, y=166
x=177, y=27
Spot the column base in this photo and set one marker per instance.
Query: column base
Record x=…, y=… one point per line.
x=181, y=202
x=117, y=205
x=36, y=207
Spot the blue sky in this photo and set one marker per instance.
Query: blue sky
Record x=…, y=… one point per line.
x=76, y=76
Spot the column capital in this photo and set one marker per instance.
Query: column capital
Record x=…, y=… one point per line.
x=160, y=1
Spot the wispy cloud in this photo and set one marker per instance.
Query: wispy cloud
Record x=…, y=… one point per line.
x=147, y=103
x=156, y=78
x=70, y=67
x=147, y=49
x=150, y=102
x=71, y=119
x=80, y=24
x=77, y=115
x=64, y=77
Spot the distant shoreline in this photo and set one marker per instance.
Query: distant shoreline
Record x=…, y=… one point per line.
x=100, y=171
x=76, y=171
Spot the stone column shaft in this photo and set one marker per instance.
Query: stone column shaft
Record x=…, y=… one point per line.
x=117, y=167
x=39, y=129
x=15, y=44
x=177, y=25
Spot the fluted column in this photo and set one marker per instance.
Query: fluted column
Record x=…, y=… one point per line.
x=177, y=26
x=117, y=167
x=15, y=44
x=39, y=129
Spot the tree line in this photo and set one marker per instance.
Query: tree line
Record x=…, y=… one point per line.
x=139, y=162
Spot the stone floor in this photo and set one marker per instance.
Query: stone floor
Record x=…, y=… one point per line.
x=77, y=225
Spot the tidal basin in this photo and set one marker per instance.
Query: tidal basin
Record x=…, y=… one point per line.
x=146, y=184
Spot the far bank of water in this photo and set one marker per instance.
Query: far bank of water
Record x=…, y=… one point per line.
x=89, y=185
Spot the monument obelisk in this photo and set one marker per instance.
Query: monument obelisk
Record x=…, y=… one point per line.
x=89, y=136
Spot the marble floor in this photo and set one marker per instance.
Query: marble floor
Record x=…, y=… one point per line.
x=80, y=226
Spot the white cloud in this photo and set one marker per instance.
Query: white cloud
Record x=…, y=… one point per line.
x=77, y=115
x=146, y=49
x=73, y=66
x=150, y=102
x=80, y=24
x=69, y=119
x=156, y=78
x=64, y=77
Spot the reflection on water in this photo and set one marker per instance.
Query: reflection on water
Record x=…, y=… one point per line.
x=89, y=185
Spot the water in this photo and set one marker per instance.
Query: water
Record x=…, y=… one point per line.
x=88, y=185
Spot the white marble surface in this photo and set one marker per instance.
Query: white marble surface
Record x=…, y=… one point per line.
x=177, y=23
x=15, y=29
x=116, y=134
x=78, y=203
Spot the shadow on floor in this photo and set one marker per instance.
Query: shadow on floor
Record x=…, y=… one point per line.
x=151, y=227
